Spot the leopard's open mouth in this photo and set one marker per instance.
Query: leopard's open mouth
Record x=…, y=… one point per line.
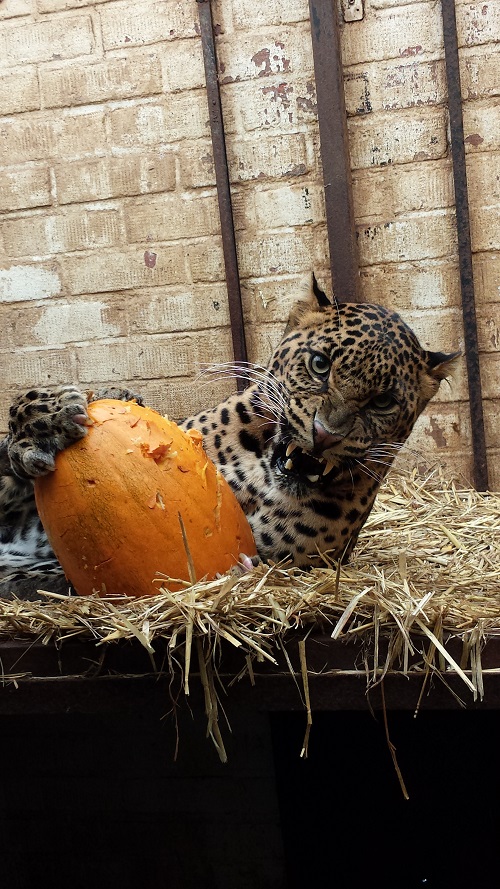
x=292, y=462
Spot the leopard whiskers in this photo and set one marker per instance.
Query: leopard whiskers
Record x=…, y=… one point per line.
x=270, y=392
x=390, y=450
x=254, y=373
x=367, y=470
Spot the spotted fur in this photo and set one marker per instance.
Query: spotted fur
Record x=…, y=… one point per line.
x=304, y=447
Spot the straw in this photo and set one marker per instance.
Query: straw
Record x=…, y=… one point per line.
x=426, y=570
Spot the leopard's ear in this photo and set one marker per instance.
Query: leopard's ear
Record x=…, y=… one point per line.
x=312, y=299
x=440, y=366
x=319, y=293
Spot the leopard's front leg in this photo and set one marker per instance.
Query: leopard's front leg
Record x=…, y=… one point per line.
x=41, y=423
x=45, y=421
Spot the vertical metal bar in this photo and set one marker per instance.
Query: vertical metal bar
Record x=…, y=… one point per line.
x=464, y=244
x=334, y=150
x=223, y=186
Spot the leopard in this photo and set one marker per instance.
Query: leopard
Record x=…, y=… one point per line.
x=305, y=445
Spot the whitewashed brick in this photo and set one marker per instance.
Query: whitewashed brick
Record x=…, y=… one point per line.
x=485, y=228
x=98, y=178
x=442, y=428
x=397, y=138
x=192, y=307
x=490, y=371
x=289, y=205
x=58, y=233
x=27, y=368
x=492, y=435
x=196, y=162
x=131, y=24
x=385, y=4
x=22, y=282
x=267, y=157
x=37, y=137
x=404, y=32
x=24, y=187
x=478, y=22
x=410, y=286
x=385, y=87
x=19, y=91
x=54, y=322
x=420, y=186
x=275, y=254
x=182, y=65
x=481, y=126
x=424, y=186
x=488, y=318
x=12, y=8
x=252, y=13
x=441, y=330
x=494, y=462
x=205, y=260
x=103, y=271
x=72, y=322
x=244, y=56
x=483, y=178
x=279, y=104
x=270, y=301
x=487, y=277
x=183, y=116
x=372, y=192
x=77, y=84
x=419, y=237
x=157, y=357
x=479, y=73
x=262, y=340
x=40, y=41
x=172, y=217
x=183, y=397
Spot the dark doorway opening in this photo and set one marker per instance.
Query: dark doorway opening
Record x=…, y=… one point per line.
x=345, y=822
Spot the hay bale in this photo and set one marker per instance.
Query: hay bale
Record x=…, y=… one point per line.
x=426, y=568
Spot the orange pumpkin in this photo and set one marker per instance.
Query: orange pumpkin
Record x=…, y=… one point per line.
x=135, y=497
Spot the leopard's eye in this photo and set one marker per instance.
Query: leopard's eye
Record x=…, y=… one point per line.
x=383, y=402
x=319, y=364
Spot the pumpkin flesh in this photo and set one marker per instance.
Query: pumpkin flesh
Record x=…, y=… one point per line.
x=136, y=497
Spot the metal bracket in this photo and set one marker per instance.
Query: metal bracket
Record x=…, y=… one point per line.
x=352, y=10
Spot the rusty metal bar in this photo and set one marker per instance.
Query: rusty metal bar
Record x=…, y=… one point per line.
x=334, y=150
x=223, y=185
x=464, y=244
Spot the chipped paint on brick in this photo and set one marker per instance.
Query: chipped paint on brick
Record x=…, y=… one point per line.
x=271, y=60
x=474, y=139
x=411, y=51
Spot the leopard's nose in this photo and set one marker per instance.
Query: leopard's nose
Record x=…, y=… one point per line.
x=323, y=438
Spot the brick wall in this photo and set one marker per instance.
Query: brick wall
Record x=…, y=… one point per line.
x=111, y=264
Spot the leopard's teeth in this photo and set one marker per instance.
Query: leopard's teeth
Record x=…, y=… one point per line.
x=290, y=449
x=329, y=466
x=313, y=478
x=289, y=464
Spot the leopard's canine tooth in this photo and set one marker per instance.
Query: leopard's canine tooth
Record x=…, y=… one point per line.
x=329, y=466
x=290, y=449
x=313, y=478
x=289, y=464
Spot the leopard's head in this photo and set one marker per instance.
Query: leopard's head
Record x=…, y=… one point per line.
x=346, y=385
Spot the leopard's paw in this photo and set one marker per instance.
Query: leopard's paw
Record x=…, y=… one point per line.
x=41, y=423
